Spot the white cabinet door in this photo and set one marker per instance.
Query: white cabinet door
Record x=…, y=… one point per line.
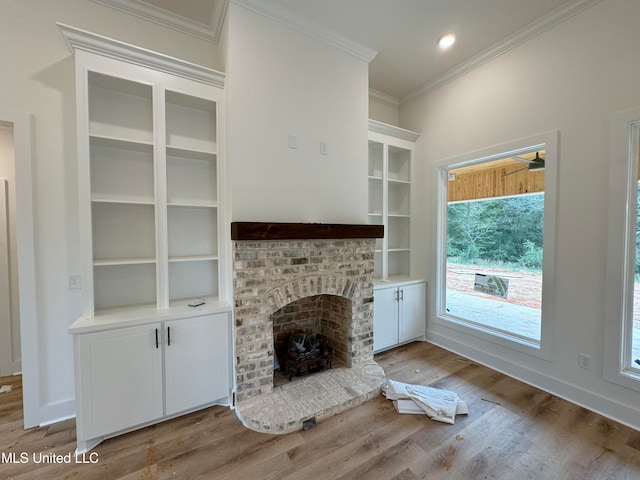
x=121, y=377
x=196, y=361
x=385, y=318
x=412, y=311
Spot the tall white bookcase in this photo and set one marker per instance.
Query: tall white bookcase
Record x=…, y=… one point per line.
x=390, y=170
x=154, y=340
x=399, y=308
x=148, y=147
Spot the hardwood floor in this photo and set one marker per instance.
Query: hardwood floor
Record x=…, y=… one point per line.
x=513, y=431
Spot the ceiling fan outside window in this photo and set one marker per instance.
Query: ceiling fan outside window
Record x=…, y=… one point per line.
x=534, y=165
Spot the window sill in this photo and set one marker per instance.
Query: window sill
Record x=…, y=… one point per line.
x=521, y=344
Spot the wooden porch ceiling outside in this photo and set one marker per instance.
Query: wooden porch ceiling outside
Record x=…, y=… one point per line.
x=499, y=178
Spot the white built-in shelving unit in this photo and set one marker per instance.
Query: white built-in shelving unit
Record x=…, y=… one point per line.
x=154, y=339
x=399, y=298
x=153, y=163
x=390, y=168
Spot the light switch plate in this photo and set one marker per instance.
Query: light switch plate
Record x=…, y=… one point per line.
x=75, y=282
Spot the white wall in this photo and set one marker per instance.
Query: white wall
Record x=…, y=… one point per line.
x=384, y=108
x=38, y=78
x=572, y=78
x=281, y=82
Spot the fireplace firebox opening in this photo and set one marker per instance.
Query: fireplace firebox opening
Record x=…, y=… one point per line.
x=310, y=334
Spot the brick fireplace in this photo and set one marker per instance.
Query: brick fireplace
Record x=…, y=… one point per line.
x=280, y=268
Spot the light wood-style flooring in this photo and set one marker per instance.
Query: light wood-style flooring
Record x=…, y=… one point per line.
x=513, y=431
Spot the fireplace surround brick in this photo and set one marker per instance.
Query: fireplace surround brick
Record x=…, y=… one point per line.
x=269, y=274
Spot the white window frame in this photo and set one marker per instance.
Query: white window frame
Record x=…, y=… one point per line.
x=549, y=142
x=623, y=187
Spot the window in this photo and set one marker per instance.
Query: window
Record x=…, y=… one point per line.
x=622, y=332
x=632, y=321
x=494, y=263
x=495, y=243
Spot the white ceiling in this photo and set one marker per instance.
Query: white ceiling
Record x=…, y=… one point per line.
x=400, y=35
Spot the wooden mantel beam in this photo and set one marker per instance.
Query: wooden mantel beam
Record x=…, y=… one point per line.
x=302, y=231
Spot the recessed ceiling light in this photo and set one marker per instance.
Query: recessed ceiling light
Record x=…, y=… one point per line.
x=447, y=40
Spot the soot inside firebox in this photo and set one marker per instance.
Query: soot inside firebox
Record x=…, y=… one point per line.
x=309, y=335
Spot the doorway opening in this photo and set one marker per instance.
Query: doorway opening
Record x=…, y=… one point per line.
x=17, y=170
x=10, y=349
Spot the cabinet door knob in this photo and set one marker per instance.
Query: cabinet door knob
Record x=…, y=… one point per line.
x=402, y=295
x=168, y=336
x=157, y=345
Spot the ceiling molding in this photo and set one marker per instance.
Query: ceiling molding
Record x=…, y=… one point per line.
x=312, y=30
x=91, y=42
x=519, y=37
x=383, y=98
x=160, y=16
x=386, y=129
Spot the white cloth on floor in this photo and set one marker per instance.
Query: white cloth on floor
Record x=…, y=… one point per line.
x=438, y=404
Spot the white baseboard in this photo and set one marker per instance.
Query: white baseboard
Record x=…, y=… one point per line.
x=57, y=412
x=606, y=407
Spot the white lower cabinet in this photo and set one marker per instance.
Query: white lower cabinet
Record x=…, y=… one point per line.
x=196, y=361
x=120, y=376
x=399, y=313
x=130, y=377
x=385, y=318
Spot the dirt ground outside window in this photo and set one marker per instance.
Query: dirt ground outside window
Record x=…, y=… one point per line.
x=525, y=289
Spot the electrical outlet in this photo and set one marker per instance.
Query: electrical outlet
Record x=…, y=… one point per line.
x=584, y=361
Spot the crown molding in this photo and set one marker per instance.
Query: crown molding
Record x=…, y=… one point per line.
x=91, y=42
x=209, y=32
x=383, y=98
x=532, y=30
x=392, y=130
x=312, y=30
